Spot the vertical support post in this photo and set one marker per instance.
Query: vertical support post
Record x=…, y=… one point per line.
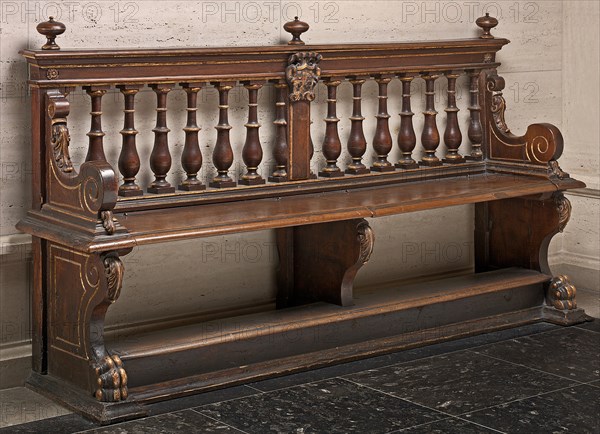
x=302, y=74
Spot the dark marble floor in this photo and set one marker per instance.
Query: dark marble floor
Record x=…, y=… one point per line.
x=533, y=379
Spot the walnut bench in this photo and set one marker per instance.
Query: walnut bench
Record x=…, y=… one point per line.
x=83, y=221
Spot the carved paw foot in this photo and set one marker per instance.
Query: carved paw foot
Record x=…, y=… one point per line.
x=111, y=380
x=561, y=293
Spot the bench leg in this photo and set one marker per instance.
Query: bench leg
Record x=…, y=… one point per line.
x=319, y=262
x=516, y=233
x=79, y=289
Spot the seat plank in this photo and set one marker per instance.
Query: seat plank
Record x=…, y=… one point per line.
x=154, y=226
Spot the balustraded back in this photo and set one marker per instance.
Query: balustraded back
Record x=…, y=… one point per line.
x=288, y=75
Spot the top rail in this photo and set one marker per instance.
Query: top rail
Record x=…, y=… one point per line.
x=51, y=66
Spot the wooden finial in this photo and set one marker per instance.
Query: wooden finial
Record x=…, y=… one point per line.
x=487, y=23
x=51, y=29
x=296, y=28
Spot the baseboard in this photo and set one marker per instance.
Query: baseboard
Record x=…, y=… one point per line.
x=15, y=364
x=583, y=270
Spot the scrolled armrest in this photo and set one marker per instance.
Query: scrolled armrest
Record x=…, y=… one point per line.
x=541, y=145
x=85, y=198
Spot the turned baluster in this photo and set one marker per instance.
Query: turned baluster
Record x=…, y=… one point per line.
x=252, y=153
x=357, y=144
x=223, y=153
x=430, y=137
x=475, y=129
x=382, y=141
x=280, y=147
x=160, y=158
x=96, y=135
x=129, y=160
x=191, y=157
x=452, y=134
x=332, y=146
x=407, y=139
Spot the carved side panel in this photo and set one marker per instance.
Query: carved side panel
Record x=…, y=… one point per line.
x=77, y=198
x=81, y=287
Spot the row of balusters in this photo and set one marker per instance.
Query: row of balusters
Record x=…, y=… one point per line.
x=252, y=154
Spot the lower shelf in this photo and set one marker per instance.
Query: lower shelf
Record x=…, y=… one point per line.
x=237, y=346
x=189, y=359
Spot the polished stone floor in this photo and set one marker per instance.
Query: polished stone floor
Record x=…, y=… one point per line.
x=538, y=378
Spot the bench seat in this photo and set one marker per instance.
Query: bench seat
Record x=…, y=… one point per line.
x=180, y=223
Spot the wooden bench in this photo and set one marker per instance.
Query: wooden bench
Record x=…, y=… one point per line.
x=83, y=221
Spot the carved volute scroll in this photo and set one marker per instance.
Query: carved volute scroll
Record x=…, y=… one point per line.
x=303, y=74
x=540, y=145
x=95, y=184
x=561, y=293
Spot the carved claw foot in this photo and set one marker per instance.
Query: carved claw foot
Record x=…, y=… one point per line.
x=561, y=293
x=111, y=380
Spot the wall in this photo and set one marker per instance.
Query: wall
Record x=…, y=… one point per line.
x=546, y=78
